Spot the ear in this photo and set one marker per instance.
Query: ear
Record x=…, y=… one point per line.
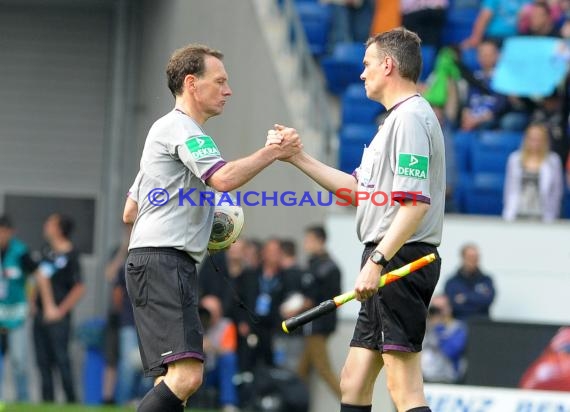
x=389, y=65
x=190, y=82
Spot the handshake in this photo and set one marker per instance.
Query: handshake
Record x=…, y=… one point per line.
x=286, y=140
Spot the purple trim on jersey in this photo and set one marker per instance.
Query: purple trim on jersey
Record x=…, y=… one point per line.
x=398, y=348
x=355, y=175
x=208, y=174
x=411, y=196
x=184, y=355
x=423, y=199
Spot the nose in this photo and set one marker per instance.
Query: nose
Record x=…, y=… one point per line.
x=228, y=91
x=362, y=75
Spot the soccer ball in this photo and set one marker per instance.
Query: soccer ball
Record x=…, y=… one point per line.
x=228, y=222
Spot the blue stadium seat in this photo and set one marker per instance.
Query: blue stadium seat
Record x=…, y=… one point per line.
x=469, y=58
x=491, y=149
x=462, y=186
x=428, y=58
x=357, y=108
x=484, y=195
x=462, y=143
x=316, y=20
x=344, y=66
x=460, y=18
x=352, y=139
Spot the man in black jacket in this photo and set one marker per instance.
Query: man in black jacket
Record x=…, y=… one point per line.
x=325, y=284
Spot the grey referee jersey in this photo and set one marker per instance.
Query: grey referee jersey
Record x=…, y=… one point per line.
x=177, y=157
x=406, y=159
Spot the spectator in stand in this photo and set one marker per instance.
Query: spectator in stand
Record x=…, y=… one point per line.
x=60, y=288
x=555, y=11
x=351, y=20
x=325, y=283
x=486, y=109
x=443, y=350
x=496, y=20
x=426, y=18
x=533, y=183
x=220, y=346
x=540, y=21
x=15, y=266
x=552, y=111
x=470, y=291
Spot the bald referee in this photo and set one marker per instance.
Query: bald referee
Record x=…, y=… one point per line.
x=168, y=240
x=405, y=158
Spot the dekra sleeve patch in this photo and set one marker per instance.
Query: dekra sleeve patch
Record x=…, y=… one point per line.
x=413, y=165
x=202, y=146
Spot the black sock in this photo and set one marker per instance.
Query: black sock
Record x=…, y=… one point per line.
x=420, y=409
x=355, y=408
x=160, y=399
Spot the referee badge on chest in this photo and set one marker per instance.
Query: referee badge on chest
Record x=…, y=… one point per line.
x=366, y=168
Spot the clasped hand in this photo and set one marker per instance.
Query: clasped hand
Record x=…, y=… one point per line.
x=288, y=140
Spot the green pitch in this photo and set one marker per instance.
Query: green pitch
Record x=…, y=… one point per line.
x=70, y=408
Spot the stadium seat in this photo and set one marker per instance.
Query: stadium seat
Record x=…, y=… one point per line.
x=460, y=18
x=491, y=149
x=357, y=108
x=428, y=58
x=484, y=194
x=344, y=66
x=462, y=186
x=462, y=142
x=352, y=139
x=316, y=20
x=469, y=58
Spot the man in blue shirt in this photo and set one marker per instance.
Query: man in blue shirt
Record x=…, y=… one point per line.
x=470, y=291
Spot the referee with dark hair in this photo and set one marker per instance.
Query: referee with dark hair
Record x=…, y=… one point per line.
x=168, y=241
x=406, y=160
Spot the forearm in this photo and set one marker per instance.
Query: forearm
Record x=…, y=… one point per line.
x=45, y=290
x=74, y=296
x=327, y=177
x=130, y=211
x=406, y=222
x=480, y=25
x=236, y=173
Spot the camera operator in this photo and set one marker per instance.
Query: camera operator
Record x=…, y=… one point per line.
x=444, y=344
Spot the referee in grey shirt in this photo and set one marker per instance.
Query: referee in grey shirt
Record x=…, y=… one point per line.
x=167, y=240
x=405, y=162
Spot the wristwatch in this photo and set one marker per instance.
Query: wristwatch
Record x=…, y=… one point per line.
x=378, y=258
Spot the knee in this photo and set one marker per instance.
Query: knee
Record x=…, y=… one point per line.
x=189, y=384
x=185, y=382
x=351, y=385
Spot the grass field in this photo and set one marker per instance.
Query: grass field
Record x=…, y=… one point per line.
x=70, y=408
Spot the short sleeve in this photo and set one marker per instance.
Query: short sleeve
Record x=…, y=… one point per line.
x=201, y=155
x=133, y=192
x=411, y=159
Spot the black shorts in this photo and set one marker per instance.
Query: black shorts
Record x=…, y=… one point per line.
x=163, y=288
x=394, y=319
